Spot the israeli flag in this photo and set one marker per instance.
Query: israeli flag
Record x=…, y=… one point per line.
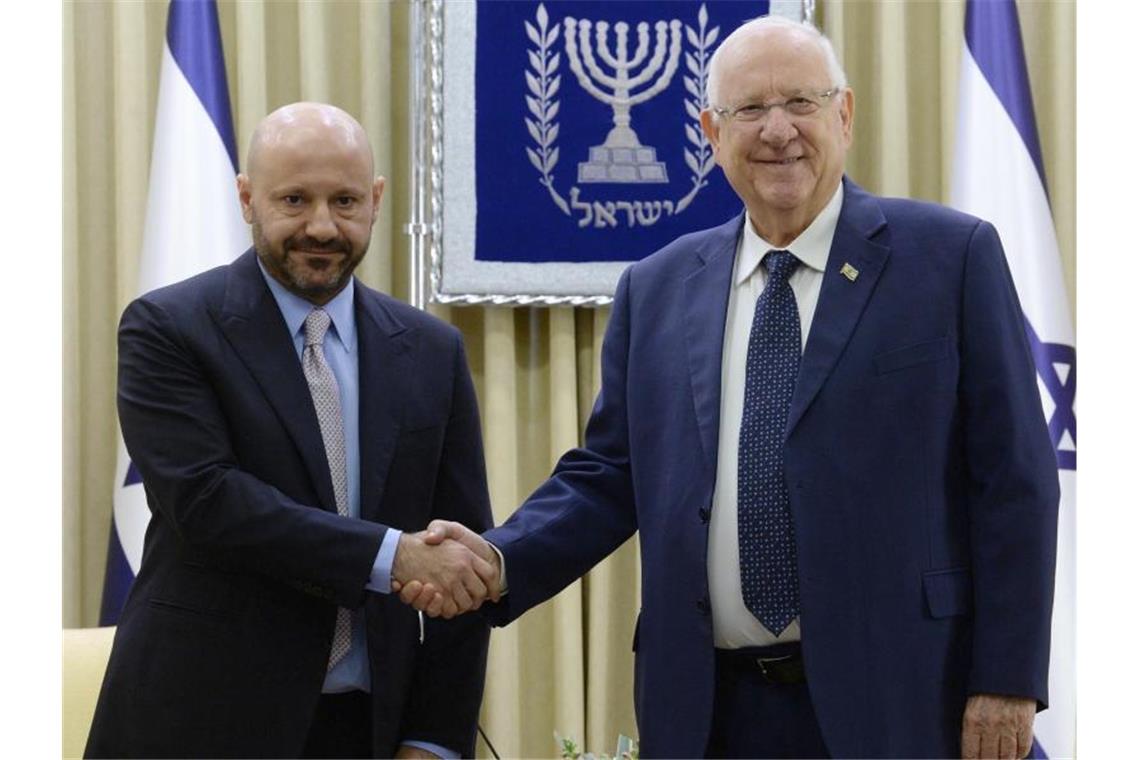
x=193, y=223
x=999, y=176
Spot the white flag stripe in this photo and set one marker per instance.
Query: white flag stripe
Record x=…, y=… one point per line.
x=1056, y=728
x=193, y=223
x=1002, y=187
x=131, y=512
x=193, y=219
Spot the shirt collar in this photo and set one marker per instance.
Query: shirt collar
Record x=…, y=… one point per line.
x=811, y=247
x=295, y=309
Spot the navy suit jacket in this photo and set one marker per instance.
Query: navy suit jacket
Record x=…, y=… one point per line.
x=222, y=647
x=922, y=479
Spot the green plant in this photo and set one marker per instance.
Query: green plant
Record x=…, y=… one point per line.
x=626, y=749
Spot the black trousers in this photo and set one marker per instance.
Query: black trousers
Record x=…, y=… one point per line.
x=754, y=717
x=342, y=726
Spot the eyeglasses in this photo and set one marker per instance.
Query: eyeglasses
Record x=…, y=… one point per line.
x=800, y=106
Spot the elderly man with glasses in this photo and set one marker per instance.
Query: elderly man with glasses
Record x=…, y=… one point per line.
x=823, y=419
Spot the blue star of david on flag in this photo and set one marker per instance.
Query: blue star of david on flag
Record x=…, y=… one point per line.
x=1057, y=368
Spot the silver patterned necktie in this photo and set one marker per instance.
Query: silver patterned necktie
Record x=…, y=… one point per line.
x=326, y=400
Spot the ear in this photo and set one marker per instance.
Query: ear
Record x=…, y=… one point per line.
x=711, y=127
x=377, y=194
x=847, y=114
x=245, y=196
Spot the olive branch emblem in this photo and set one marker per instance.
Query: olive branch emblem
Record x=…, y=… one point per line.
x=542, y=80
x=701, y=161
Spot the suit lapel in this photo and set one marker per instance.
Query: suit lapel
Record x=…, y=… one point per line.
x=841, y=300
x=253, y=325
x=386, y=358
x=706, y=303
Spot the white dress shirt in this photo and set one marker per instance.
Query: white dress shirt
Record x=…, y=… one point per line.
x=733, y=625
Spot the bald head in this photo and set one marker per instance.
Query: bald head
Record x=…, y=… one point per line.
x=298, y=125
x=310, y=197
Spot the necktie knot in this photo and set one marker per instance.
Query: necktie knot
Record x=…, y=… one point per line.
x=316, y=325
x=780, y=264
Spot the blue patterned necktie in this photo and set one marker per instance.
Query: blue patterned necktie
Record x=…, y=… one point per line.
x=767, y=545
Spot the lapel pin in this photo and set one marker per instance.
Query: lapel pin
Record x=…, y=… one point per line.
x=849, y=272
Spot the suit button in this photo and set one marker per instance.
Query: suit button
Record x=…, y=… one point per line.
x=704, y=513
x=703, y=606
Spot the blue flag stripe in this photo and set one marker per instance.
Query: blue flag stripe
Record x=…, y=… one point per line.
x=195, y=42
x=993, y=34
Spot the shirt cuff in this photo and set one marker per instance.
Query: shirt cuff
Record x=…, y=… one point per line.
x=443, y=752
x=380, y=580
x=502, y=569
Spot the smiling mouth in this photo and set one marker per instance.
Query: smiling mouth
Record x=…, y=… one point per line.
x=781, y=161
x=318, y=252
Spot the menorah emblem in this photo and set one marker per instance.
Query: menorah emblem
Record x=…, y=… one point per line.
x=622, y=157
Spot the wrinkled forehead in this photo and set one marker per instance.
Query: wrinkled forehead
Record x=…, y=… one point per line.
x=773, y=61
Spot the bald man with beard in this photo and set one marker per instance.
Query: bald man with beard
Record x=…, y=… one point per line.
x=293, y=428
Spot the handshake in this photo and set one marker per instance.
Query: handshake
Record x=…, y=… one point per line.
x=446, y=570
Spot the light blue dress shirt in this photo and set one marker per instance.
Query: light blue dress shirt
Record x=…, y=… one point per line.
x=340, y=349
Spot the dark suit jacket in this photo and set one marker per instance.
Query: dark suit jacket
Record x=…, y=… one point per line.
x=222, y=647
x=922, y=479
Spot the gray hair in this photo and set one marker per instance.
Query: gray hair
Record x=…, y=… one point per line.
x=834, y=69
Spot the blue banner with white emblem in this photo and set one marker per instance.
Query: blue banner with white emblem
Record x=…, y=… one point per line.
x=588, y=127
x=566, y=141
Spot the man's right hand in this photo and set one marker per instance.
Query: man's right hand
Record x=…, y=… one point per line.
x=422, y=593
x=443, y=577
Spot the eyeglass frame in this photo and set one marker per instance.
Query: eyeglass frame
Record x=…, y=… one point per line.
x=731, y=114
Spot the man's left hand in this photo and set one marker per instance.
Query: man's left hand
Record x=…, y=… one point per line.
x=995, y=726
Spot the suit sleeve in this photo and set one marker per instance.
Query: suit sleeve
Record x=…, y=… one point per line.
x=1013, y=485
x=447, y=685
x=179, y=439
x=585, y=510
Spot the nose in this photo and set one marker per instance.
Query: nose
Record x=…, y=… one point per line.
x=320, y=224
x=777, y=129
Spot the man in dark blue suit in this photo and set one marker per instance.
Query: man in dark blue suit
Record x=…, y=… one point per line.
x=823, y=419
x=290, y=424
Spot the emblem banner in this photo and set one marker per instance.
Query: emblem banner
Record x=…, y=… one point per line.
x=571, y=142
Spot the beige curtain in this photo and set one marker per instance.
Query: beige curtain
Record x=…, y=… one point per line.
x=567, y=665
